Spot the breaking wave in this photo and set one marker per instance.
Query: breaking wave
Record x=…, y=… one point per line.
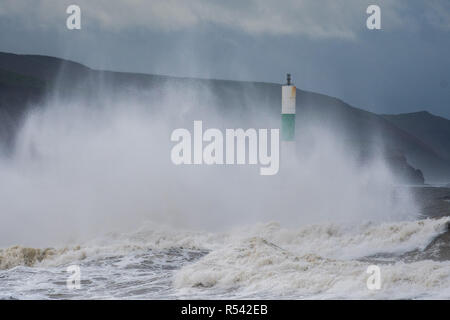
x=326, y=240
x=267, y=260
x=318, y=262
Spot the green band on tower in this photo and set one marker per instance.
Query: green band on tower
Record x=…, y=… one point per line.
x=288, y=127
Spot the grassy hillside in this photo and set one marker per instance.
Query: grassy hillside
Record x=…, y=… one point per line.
x=27, y=79
x=430, y=129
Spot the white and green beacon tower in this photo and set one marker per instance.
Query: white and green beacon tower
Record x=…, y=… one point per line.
x=288, y=101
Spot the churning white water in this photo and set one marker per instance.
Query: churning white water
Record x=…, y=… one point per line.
x=263, y=261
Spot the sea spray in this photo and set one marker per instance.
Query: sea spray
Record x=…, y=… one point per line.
x=81, y=169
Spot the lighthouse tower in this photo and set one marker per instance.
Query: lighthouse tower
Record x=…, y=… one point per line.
x=288, y=101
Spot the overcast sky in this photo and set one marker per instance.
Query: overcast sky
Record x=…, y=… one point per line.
x=325, y=44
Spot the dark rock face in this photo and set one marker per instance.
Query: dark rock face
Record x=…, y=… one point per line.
x=403, y=171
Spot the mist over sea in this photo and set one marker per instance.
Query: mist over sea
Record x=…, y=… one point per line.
x=91, y=183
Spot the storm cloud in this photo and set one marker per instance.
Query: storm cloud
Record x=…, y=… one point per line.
x=325, y=44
